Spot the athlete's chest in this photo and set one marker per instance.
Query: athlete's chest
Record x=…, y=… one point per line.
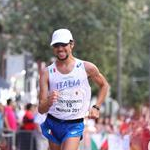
x=74, y=79
x=65, y=69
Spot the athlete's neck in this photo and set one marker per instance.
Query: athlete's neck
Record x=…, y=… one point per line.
x=66, y=66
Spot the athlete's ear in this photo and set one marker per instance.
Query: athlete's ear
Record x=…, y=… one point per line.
x=72, y=44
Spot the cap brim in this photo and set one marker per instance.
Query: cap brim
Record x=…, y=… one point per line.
x=54, y=42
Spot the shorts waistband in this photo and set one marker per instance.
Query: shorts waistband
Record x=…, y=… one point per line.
x=67, y=121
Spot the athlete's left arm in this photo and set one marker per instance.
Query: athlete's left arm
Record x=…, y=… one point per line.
x=94, y=73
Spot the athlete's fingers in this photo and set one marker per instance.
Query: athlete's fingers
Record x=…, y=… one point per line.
x=53, y=93
x=93, y=114
x=53, y=96
x=90, y=115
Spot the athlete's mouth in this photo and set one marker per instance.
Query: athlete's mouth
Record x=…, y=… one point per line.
x=62, y=59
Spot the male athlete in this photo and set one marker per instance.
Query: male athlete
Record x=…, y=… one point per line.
x=65, y=94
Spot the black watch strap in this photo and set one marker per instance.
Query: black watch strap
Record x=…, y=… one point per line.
x=96, y=107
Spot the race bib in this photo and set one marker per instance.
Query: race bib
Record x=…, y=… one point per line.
x=70, y=101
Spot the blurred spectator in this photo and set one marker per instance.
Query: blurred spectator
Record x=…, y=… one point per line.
x=1, y=118
x=10, y=116
x=20, y=112
x=3, y=144
x=145, y=138
x=28, y=119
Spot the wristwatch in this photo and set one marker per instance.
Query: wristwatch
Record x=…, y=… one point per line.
x=96, y=107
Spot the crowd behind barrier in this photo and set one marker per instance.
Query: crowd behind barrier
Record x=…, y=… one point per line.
x=19, y=140
x=129, y=131
x=20, y=129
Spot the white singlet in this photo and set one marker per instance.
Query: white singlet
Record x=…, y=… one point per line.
x=74, y=92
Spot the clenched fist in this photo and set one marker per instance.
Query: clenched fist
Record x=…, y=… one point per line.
x=52, y=97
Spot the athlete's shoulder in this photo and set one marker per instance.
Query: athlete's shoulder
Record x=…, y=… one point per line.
x=45, y=70
x=52, y=68
x=51, y=65
x=44, y=74
x=90, y=67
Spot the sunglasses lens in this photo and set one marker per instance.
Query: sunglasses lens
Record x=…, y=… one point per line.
x=60, y=44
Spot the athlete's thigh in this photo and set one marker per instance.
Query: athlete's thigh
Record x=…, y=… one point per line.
x=54, y=146
x=71, y=143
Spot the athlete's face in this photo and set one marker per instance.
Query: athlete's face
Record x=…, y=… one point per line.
x=62, y=51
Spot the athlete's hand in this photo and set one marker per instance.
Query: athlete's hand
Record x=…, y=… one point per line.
x=93, y=113
x=52, y=97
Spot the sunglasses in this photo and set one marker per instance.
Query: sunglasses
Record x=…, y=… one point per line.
x=60, y=44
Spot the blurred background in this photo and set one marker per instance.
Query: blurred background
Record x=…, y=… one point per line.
x=113, y=34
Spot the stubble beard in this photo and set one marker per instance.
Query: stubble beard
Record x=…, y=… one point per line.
x=63, y=58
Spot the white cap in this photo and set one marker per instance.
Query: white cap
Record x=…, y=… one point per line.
x=61, y=36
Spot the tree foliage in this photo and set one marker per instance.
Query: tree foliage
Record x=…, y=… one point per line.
x=94, y=26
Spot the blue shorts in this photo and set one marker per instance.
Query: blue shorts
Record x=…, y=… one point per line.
x=58, y=131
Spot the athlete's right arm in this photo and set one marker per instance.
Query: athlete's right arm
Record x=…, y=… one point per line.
x=46, y=99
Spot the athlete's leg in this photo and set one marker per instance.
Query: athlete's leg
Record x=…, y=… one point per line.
x=71, y=143
x=54, y=146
